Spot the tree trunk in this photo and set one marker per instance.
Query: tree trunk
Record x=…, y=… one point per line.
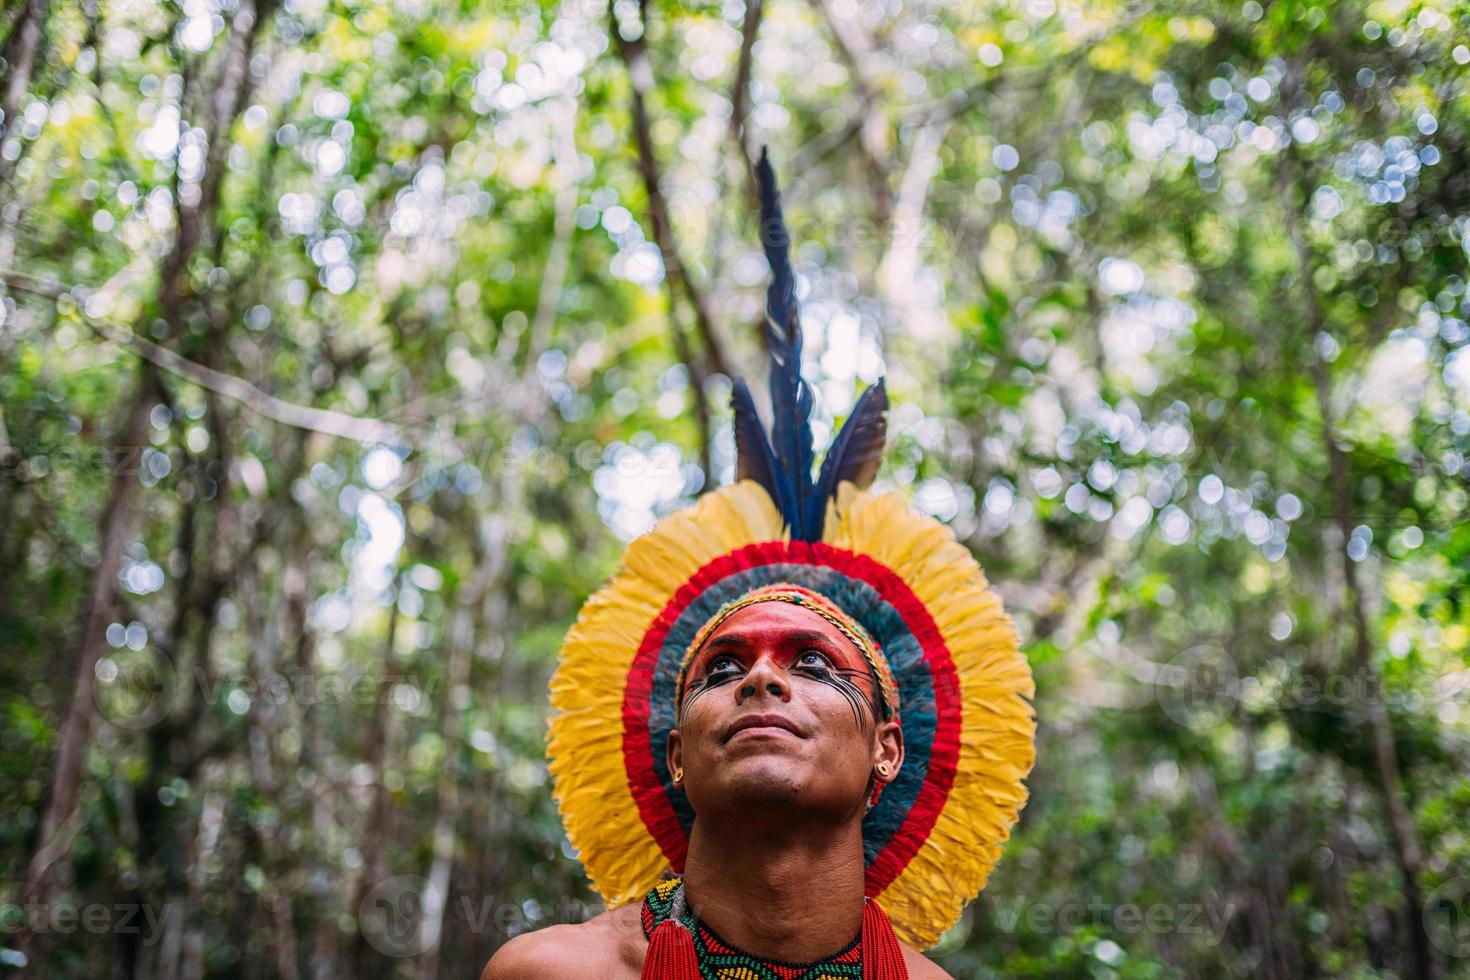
x=367, y=961
x=20, y=59
x=45, y=869
x=1403, y=836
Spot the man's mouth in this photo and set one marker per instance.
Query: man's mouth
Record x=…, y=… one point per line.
x=763, y=724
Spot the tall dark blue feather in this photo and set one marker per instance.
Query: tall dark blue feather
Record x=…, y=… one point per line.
x=856, y=452
x=783, y=463
x=791, y=399
x=753, y=457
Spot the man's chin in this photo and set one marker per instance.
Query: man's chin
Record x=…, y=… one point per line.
x=765, y=774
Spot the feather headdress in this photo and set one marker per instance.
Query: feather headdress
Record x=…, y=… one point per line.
x=968, y=724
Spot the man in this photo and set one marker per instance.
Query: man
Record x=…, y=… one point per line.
x=795, y=711
x=780, y=765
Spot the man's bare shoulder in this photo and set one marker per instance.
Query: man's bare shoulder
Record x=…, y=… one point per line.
x=921, y=967
x=609, y=946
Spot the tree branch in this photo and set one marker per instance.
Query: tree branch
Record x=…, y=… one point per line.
x=320, y=420
x=900, y=264
x=740, y=90
x=871, y=122
x=640, y=74
x=564, y=150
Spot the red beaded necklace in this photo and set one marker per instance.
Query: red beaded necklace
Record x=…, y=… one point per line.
x=675, y=954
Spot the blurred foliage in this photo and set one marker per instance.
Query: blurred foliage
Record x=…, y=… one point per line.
x=1170, y=298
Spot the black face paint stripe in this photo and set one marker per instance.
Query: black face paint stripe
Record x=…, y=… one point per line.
x=700, y=687
x=841, y=679
x=837, y=678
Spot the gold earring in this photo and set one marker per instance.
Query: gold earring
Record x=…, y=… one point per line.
x=883, y=769
x=679, y=775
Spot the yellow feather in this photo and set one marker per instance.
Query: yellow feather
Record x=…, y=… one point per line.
x=998, y=727
x=585, y=731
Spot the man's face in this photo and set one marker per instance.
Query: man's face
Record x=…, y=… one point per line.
x=779, y=708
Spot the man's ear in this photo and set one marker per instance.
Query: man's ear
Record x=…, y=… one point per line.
x=674, y=751
x=888, y=746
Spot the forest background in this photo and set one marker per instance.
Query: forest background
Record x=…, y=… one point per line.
x=344, y=345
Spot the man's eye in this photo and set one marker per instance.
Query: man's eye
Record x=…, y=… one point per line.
x=721, y=665
x=812, y=658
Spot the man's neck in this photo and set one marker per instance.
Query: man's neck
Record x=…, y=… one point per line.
x=793, y=893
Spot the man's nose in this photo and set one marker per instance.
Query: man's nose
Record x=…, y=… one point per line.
x=765, y=676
